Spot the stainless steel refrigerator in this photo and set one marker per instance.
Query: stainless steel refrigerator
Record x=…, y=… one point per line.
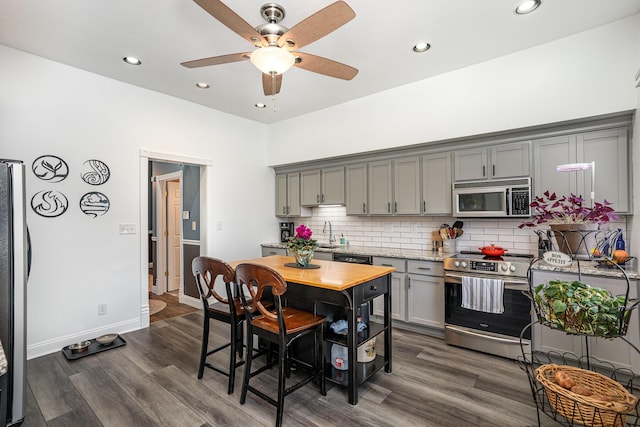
x=14, y=270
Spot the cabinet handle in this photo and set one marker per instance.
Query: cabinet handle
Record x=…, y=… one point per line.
x=284, y=210
x=424, y=268
x=493, y=172
x=317, y=198
x=484, y=173
x=322, y=198
x=387, y=265
x=424, y=204
x=288, y=210
x=364, y=208
x=395, y=207
x=408, y=282
x=373, y=288
x=389, y=207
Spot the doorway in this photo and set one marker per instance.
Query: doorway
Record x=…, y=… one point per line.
x=168, y=226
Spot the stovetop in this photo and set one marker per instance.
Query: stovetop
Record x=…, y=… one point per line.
x=509, y=264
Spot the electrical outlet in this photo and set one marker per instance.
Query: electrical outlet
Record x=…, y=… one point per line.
x=102, y=309
x=127, y=229
x=219, y=225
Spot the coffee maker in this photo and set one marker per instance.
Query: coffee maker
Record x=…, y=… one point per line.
x=286, y=231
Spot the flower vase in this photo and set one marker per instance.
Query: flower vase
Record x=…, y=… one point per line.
x=303, y=257
x=576, y=240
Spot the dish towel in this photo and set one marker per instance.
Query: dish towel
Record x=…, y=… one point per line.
x=483, y=294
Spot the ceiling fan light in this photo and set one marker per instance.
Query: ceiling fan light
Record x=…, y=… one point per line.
x=527, y=6
x=272, y=59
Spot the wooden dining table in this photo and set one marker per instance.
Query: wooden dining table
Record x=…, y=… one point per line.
x=337, y=290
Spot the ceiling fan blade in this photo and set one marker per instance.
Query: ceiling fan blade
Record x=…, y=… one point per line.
x=216, y=60
x=268, y=84
x=325, y=66
x=231, y=20
x=317, y=25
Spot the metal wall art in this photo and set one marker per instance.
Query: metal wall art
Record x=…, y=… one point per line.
x=95, y=172
x=49, y=203
x=94, y=204
x=50, y=168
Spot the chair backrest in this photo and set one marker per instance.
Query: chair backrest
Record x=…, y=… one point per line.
x=206, y=270
x=254, y=280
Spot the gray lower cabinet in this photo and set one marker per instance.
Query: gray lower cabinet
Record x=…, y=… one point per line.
x=273, y=251
x=616, y=352
x=425, y=295
x=325, y=256
x=607, y=148
x=398, y=288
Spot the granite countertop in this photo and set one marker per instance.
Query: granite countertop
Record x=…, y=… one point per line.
x=3, y=361
x=586, y=267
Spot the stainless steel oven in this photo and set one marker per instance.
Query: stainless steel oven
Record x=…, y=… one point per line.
x=492, y=333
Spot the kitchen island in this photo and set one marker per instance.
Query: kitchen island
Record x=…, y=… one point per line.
x=336, y=290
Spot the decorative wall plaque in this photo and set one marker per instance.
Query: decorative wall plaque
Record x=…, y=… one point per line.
x=50, y=168
x=94, y=204
x=95, y=172
x=49, y=203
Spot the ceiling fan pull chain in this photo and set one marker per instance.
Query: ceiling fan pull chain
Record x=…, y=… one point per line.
x=273, y=90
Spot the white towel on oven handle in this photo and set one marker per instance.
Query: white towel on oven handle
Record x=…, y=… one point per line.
x=481, y=294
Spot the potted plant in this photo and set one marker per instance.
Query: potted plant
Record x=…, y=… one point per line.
x=578, y=308
x=573, y=223
x=302, y=246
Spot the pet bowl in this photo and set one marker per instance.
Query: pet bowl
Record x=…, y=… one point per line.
x=107, y=339
x=79, y=347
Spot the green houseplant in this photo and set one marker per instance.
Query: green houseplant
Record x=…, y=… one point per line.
x=578, y=308
x=573, y=223
x=302, y=246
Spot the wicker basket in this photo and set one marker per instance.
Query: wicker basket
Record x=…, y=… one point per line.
x=585, y=409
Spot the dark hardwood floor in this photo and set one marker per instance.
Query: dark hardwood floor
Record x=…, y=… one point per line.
x=173, y=308
x=152, y=381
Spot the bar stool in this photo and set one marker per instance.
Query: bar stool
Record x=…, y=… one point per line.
x=228, y=310
x=282, y=326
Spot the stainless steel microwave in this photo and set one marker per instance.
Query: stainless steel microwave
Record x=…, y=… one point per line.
x=495, y=198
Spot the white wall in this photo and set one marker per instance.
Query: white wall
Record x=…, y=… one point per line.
x=80, y=262
x=635, y=221
x=587, y=74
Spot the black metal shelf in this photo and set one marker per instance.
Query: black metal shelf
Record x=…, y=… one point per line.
x=364, y=370
x=373, y=329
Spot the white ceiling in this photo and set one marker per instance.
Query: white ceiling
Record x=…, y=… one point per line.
x=95, y=36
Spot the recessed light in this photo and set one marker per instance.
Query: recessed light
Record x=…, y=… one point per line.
x=421, y=47
x=527, y=6
x=260, y=105
x=202, y=85
x=132, y=60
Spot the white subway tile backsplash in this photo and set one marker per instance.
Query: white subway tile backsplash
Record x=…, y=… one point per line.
x=396, y=232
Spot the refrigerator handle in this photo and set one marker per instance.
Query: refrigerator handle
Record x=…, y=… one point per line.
x=28, y=253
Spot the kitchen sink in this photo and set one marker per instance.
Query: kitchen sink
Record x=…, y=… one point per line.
x=328, y=245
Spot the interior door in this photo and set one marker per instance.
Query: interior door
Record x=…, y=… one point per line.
x=173, y=231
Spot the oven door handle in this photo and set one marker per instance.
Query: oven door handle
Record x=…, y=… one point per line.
x=489, y=337
x=508, y=284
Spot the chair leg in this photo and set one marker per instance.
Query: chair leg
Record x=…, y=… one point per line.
x=282, y=374
x=232, y=359
x=240, y=339
x=205, y=344
x=247, y=366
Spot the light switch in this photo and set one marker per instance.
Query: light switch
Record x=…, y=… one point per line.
x=127, y=229
x=219, y=225
x=185, y=214
x=193, y=225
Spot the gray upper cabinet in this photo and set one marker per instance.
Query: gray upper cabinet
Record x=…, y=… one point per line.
x=288, y=195
x=380, y=189
x=406, y=186
x=356, y=188
x=322, y=186
x=498, y=161
x=608, y=148
x=436, y=184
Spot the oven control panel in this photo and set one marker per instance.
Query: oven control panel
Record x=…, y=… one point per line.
x=484, y=266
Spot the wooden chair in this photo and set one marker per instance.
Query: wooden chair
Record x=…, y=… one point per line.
x=228, y=310
x=282, y=325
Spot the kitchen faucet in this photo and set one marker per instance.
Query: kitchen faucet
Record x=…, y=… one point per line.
x=332, y=239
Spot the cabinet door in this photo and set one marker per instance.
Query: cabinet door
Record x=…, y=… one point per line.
x=547, y=154
x=426, y=300
x=510, y=160
x=608, y=148
x=470, y=164
x=380, y=190
x=406, y=186
x=398, y=300
x=281, y=194
x=332, y=186
x=310, y=191
x=436, y=184
x=293, y=194
x=356, y=183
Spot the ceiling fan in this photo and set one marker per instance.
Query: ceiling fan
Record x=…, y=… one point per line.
x=276, y=45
